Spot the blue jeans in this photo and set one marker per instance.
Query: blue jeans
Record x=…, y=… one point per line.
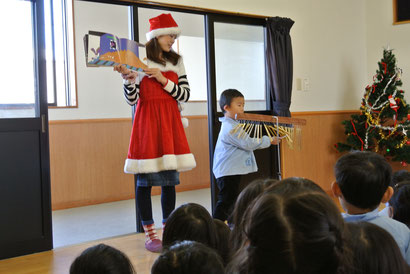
x=143, y=196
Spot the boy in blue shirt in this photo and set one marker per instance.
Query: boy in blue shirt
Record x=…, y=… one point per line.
x=233, y=155
x=362, y=183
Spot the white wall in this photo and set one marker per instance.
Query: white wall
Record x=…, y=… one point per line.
x=99, y=89
x=382, y=33
x=329, y=48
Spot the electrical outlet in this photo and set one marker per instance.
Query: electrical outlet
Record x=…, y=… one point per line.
x=305, y=84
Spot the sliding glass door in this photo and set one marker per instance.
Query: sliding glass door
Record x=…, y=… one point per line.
x=25, y=211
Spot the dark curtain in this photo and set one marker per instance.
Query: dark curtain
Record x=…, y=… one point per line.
x=279, y=59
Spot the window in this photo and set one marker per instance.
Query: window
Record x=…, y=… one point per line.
x=61, y=80
x=18, y=92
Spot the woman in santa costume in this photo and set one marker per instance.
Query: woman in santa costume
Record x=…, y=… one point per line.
x=158, y=148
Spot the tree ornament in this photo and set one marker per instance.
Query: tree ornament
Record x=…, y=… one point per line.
x=403, y=163
x=393, y=103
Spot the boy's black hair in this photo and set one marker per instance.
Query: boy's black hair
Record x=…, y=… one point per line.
x=300, y=233
x=399, y=176
x=293, y=186
x=101, y=259
x=374, y=250
x=363, y=178
x=190, y=222
x=400, y=202
x=224, y=244
x=227, y=96
x=243, y=202
x=188, y=257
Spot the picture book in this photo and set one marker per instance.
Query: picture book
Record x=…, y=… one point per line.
x=105, y=49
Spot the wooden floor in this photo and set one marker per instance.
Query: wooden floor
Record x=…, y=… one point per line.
x=59, y=260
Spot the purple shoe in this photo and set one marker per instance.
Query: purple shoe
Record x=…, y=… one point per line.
x=154, y=245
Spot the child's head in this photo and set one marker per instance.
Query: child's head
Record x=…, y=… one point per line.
x=362, y=180
x=232, y=102
x=291, y=234
x=188, y=257
x=190, y=222
x=374, y=250
x=224, y=244
x=101, y=259
x=399, y=176
x=294, y=185
x=400, y=202
x=244, y=200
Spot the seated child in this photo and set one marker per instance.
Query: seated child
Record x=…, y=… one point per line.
x=400, y=176
x=374, y=250
x=362, y=183
x=102, y=259
x=294, y=185
x=294, y=234
x=190, y=222
x=400, y=202
x=188, y=257
x=233, y=155
x=245, y=199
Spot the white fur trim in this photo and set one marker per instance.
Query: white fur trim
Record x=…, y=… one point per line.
x=179, y=68
x=182, y=162
x=163, y=31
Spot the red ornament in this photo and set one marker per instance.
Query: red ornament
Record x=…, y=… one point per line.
x=408, y=142
x=408, y=116
x=393, y=103
x=403, y=163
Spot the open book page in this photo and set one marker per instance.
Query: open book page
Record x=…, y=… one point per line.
x=104, y=49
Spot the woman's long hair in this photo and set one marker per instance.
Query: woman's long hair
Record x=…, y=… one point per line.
x=157, y=55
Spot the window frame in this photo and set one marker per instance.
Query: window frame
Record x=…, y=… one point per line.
x=69, y=90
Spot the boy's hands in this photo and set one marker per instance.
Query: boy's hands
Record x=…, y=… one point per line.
x=275, y=141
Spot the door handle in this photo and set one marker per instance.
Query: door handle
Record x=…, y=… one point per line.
x=43, y=123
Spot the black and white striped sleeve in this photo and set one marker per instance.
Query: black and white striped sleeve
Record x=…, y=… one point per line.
x=132, y=91
x=180, y=91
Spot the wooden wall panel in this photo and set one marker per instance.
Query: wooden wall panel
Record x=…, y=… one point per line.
x=317, y=156
x=87, y=159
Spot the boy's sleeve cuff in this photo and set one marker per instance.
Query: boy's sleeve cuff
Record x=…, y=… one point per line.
x=169, y=86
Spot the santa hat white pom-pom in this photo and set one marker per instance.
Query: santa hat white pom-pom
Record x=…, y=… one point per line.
x=185, y=122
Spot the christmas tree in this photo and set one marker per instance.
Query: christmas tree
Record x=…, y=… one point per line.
x=384, y=120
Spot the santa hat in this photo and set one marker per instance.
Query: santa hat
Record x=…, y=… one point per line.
x=162, y=25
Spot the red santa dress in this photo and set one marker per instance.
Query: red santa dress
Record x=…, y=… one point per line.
x=158, y=140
